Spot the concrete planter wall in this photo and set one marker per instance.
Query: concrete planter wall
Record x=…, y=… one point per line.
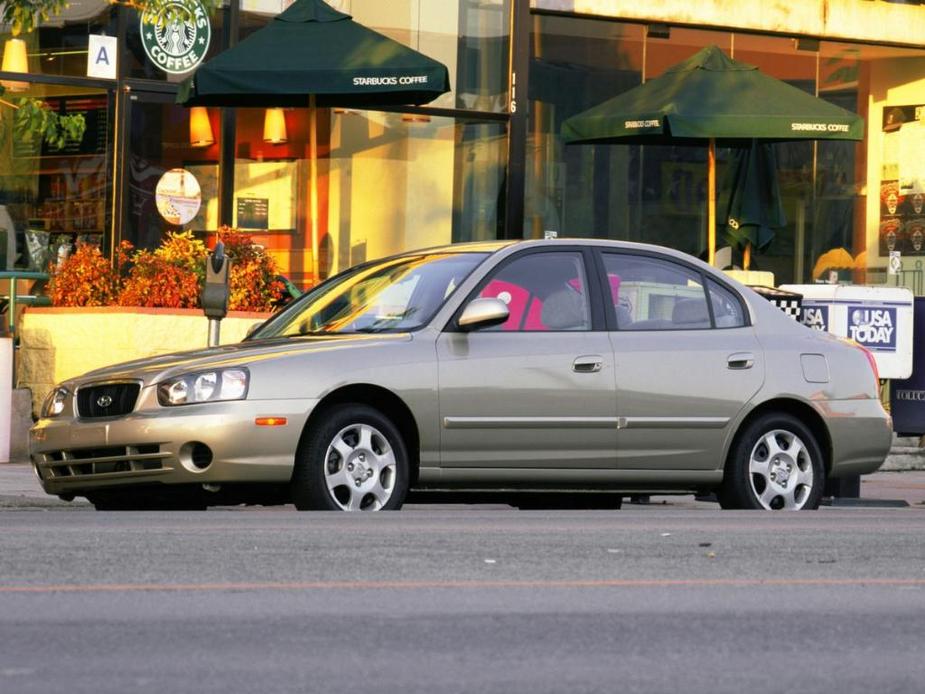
x=59, y=343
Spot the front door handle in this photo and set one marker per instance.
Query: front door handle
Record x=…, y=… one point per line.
x=588, y=364
x=741, y=360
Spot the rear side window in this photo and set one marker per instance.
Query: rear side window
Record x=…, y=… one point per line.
x=655, y=294
x=727, y=308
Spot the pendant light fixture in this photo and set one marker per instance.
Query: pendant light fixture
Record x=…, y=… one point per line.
x=200, y=129
x=274, y=127
x=15, y=59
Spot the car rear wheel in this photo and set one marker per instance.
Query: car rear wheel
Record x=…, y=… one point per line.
x=354, y=460
x=775, y=464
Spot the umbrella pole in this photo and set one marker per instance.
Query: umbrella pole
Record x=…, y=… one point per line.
x=747, y=256
x=711, y=202
x=313, y=183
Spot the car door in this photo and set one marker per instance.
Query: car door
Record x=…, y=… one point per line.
x=538, y=390
x=684, y=366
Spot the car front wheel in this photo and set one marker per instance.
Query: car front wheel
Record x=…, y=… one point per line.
x=775, y=464
x=354, y=460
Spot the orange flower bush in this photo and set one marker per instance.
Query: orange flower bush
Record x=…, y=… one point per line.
x=158, y=283
x=185, y=251
x=86, y=277
x=171, y=276
x=253, y=283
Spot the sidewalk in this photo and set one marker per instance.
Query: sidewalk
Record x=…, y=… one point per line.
x=19, y=488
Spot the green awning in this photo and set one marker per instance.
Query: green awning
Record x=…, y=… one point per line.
x=312, y=49
x=709, y=95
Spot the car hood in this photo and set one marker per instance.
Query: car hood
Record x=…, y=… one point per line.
x=154, y=369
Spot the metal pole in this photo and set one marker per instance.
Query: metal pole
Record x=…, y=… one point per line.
x=313, y=182
x=518, y=109
x=711, y=202
x=215, y=327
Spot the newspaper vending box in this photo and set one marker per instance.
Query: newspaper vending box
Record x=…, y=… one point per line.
x=878, y=318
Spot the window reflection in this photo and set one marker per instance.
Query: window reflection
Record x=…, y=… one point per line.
x=835, y=194
x=52, y=198
x=386, y=183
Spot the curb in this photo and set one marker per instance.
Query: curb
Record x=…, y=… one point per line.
x=905, y=455
x=904, y=458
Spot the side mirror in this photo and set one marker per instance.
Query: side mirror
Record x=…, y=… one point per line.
x=483, y=313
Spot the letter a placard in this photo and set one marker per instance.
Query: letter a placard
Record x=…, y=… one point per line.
x=102, y=54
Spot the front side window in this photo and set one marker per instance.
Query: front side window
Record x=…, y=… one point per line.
x=393, y=295
x=655, y=294
x=544, y=292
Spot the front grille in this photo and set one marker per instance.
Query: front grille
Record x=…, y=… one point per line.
x=107, y=399
x=113, y=461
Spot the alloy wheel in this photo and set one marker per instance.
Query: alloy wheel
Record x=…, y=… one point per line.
x=780, y=471
x=360, y=468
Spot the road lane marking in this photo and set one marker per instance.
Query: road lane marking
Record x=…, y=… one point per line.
x=476, y=584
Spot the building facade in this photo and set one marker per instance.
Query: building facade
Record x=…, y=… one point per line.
x=484, y=161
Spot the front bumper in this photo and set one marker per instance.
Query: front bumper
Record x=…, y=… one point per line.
x=155, y=446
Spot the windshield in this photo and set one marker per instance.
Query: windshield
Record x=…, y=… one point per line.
x=392, y=295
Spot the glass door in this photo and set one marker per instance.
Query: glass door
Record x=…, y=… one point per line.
x=170, y=179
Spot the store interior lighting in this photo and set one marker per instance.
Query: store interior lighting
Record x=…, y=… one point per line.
x=274, y=127
x=15, y=59
x=415, y=118
x=200, y=129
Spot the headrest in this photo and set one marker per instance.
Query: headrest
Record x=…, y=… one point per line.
x=691, y=313
x=564, y=310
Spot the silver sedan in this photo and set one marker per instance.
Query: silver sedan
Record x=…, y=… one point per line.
x=538, y=365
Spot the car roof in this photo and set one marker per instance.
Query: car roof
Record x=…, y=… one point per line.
x=512, y=246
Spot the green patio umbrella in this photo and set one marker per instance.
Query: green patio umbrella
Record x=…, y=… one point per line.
x=754, y=208
x=312, y=49
x=711, y=97
x=313, y=55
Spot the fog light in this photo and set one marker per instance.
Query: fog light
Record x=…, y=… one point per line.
x=195, y=455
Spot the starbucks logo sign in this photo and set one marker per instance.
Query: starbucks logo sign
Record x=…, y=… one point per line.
x=176, y=37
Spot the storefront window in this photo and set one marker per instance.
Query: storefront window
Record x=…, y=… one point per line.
x=163, y=137
x=385, y=183
x=792, y=248
x=889, y=219
x=841, y=199
x=58, y=46
x=51, y=198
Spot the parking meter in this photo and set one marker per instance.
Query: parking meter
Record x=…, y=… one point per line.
x=214, y=297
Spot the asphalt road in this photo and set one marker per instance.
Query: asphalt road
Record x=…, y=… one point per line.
x=463, y=600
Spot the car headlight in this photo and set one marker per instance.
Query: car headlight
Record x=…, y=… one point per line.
x=54, y=403
x=204, y=386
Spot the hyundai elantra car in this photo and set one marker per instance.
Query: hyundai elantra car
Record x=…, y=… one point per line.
x=570, y=365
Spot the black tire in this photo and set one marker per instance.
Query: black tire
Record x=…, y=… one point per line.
x=309, y=485
x=792, y=485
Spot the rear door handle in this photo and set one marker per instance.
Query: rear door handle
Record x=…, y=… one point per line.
x=588, y=364
x=741, y=360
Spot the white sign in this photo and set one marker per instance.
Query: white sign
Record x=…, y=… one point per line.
x=102, y=54
x=178, y=196
x=896, y=263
